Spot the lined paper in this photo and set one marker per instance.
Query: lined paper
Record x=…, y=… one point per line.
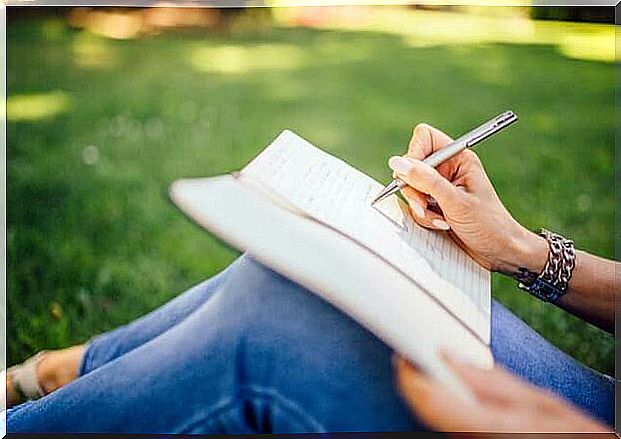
x=333, y=192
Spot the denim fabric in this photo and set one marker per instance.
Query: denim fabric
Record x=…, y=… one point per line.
x=250, y=351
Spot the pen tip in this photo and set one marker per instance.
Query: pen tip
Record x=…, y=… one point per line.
x=379, y=198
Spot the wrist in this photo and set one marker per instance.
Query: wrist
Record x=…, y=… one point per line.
x=526, y=256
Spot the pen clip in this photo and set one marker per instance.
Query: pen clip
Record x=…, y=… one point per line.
x=491, y=127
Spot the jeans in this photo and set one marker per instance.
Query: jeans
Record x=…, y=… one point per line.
x=250, y=351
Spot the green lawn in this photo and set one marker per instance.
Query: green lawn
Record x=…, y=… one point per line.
x=101, y=127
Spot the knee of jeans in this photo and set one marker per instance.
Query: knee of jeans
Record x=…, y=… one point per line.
x=264, y=296
x=277, y=317
x=287, y=338
x=259, y=298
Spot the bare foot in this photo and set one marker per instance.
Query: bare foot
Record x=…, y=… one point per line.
x=59, y=368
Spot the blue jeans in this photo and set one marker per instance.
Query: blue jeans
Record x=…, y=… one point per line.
x=251, y=351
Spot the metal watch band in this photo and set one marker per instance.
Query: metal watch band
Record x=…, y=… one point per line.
x=553, y=280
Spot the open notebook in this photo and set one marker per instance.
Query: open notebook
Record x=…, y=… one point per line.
x=307, y=215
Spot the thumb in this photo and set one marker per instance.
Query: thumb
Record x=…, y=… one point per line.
x=424, y=178
x=426, y=140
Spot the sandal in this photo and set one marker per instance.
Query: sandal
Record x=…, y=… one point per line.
x=24, y=379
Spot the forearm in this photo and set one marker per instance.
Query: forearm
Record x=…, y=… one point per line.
x=592, y=290
x=593, y=286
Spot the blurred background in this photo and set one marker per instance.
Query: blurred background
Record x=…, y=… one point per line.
x=108, y=106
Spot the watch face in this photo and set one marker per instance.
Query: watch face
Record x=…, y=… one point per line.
x=545, y=291
x=542, y=289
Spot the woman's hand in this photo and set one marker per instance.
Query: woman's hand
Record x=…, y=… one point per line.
x=467, y=206
x=503, y=403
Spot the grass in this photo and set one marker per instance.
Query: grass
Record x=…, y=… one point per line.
x=99, y=128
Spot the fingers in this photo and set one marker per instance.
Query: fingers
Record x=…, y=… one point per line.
x=436, y=405
x=517, y=404
x=418, y=204
x=427, y=180
x=426, y=140
x=439, y=408
x=495, y=385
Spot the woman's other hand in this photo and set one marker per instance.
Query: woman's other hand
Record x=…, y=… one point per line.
x=467, y=206
x=503, y=403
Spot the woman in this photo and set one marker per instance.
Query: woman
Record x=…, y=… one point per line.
x=251, y=351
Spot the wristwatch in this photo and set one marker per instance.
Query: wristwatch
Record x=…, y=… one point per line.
x=553, y=281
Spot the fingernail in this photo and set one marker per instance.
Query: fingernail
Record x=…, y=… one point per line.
x=442, y=225
x=418, y=209
x=400, y=165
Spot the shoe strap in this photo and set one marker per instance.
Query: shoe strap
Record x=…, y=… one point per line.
x=24, y=378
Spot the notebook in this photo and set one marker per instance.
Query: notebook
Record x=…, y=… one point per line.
x=308, y=215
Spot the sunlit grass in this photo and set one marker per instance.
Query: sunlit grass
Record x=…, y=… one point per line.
x=595, y=46
x=241, y=59
x=264, y=57
x=424, y=28
x=36, y=106
x=90, y=51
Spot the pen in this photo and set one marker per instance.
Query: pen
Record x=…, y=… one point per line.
x=443, y=154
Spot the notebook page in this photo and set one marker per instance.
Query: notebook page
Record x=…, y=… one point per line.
x=331, y=191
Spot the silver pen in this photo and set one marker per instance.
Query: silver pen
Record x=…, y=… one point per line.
x=466, y=141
